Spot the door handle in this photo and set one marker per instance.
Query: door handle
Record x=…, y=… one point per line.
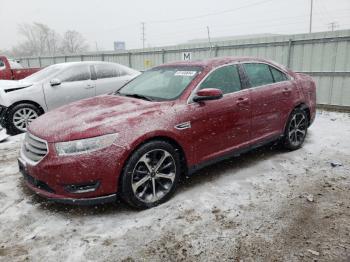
x=89, y=87
x=242, y=101
x=286, y=91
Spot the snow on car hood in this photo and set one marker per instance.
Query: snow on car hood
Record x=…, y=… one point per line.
x=93, y=117
x=13, y=84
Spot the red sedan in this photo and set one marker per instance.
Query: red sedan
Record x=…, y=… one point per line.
x=170, y=121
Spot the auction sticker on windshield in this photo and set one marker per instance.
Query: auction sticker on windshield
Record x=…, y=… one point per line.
x=185, y=73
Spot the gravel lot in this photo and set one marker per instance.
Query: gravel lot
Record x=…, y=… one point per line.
x=267, y=205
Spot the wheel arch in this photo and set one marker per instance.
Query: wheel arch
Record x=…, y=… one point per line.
x=165, y=138
x=301, y=106
x=305, y=108
x=27, y=102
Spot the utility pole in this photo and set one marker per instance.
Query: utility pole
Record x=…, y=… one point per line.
x=333, y=25
x=209, y=40
x=143, y=35
x=310, y=28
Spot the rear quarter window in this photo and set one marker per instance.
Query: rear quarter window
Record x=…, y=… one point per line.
x=106, y=71
x=278, y=76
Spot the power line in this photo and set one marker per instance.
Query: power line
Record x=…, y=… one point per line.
x=329, y=15
x=135, y=24
x=210, y=14
x=323, y=15
x=253, y=24
x=274, y=23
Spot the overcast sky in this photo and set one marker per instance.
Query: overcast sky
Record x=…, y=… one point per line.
x=168, y=22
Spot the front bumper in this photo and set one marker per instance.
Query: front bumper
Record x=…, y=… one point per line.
x=54, y=177
x=3, y=111
x=70, y=201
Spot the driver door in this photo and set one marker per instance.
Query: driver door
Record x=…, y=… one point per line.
x=76, y=84
x=225, y=122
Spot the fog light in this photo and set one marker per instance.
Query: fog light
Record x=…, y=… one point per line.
x=82, y=188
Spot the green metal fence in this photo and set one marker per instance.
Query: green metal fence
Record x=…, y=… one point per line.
x=325, y=56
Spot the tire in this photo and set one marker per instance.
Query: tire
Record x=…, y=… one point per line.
x=143, y=184
x=19, y=116
x=296, y=129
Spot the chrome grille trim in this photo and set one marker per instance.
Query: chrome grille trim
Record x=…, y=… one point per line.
x=33, y=149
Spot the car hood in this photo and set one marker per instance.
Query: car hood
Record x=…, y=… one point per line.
x=11, y=85
x=93, y=117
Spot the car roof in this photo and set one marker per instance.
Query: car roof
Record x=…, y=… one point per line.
x=216, y=62
x=66, y=64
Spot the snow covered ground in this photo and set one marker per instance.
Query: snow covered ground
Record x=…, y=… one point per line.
x=267, y=205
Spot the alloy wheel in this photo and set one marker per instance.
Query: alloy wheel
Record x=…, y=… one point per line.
x=23, y=117
x=297, y=129
x=153, y=175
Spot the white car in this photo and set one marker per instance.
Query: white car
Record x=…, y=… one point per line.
x=23, y=101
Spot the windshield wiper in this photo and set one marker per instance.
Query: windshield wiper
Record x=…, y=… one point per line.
x=137, y=96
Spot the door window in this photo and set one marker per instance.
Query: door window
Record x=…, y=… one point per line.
x=106, y=71
x=258, y=74
x=76, y=73
x=278, y=76
x=225, y=78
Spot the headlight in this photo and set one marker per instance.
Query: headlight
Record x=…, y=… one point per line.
x=85, y=145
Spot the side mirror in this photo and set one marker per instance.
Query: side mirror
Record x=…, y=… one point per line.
x=55, y=82
x=208, y=94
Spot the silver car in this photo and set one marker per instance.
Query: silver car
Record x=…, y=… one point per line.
x=23, y=101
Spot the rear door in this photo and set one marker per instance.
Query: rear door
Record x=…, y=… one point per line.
x=266, y=101
x=75, y=84
x=226, y=122
x=109, y=78
x=287, y=88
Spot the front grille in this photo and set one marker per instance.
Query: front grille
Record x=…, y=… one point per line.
x=34, y=148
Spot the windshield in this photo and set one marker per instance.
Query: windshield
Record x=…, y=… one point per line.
x=44, y=73
x=163, y=83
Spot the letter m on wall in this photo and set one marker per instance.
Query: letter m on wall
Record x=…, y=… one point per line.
x=186, y=56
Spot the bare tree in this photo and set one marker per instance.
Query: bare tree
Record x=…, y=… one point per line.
x=39, y=40
x=73, y=42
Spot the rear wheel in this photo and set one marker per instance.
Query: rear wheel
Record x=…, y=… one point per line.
x=151, y=175
x=19, y=117
x=296, y=129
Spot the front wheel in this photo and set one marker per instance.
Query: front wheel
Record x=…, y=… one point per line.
x=19, y=117
x=151, y=175
x=296, y=129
